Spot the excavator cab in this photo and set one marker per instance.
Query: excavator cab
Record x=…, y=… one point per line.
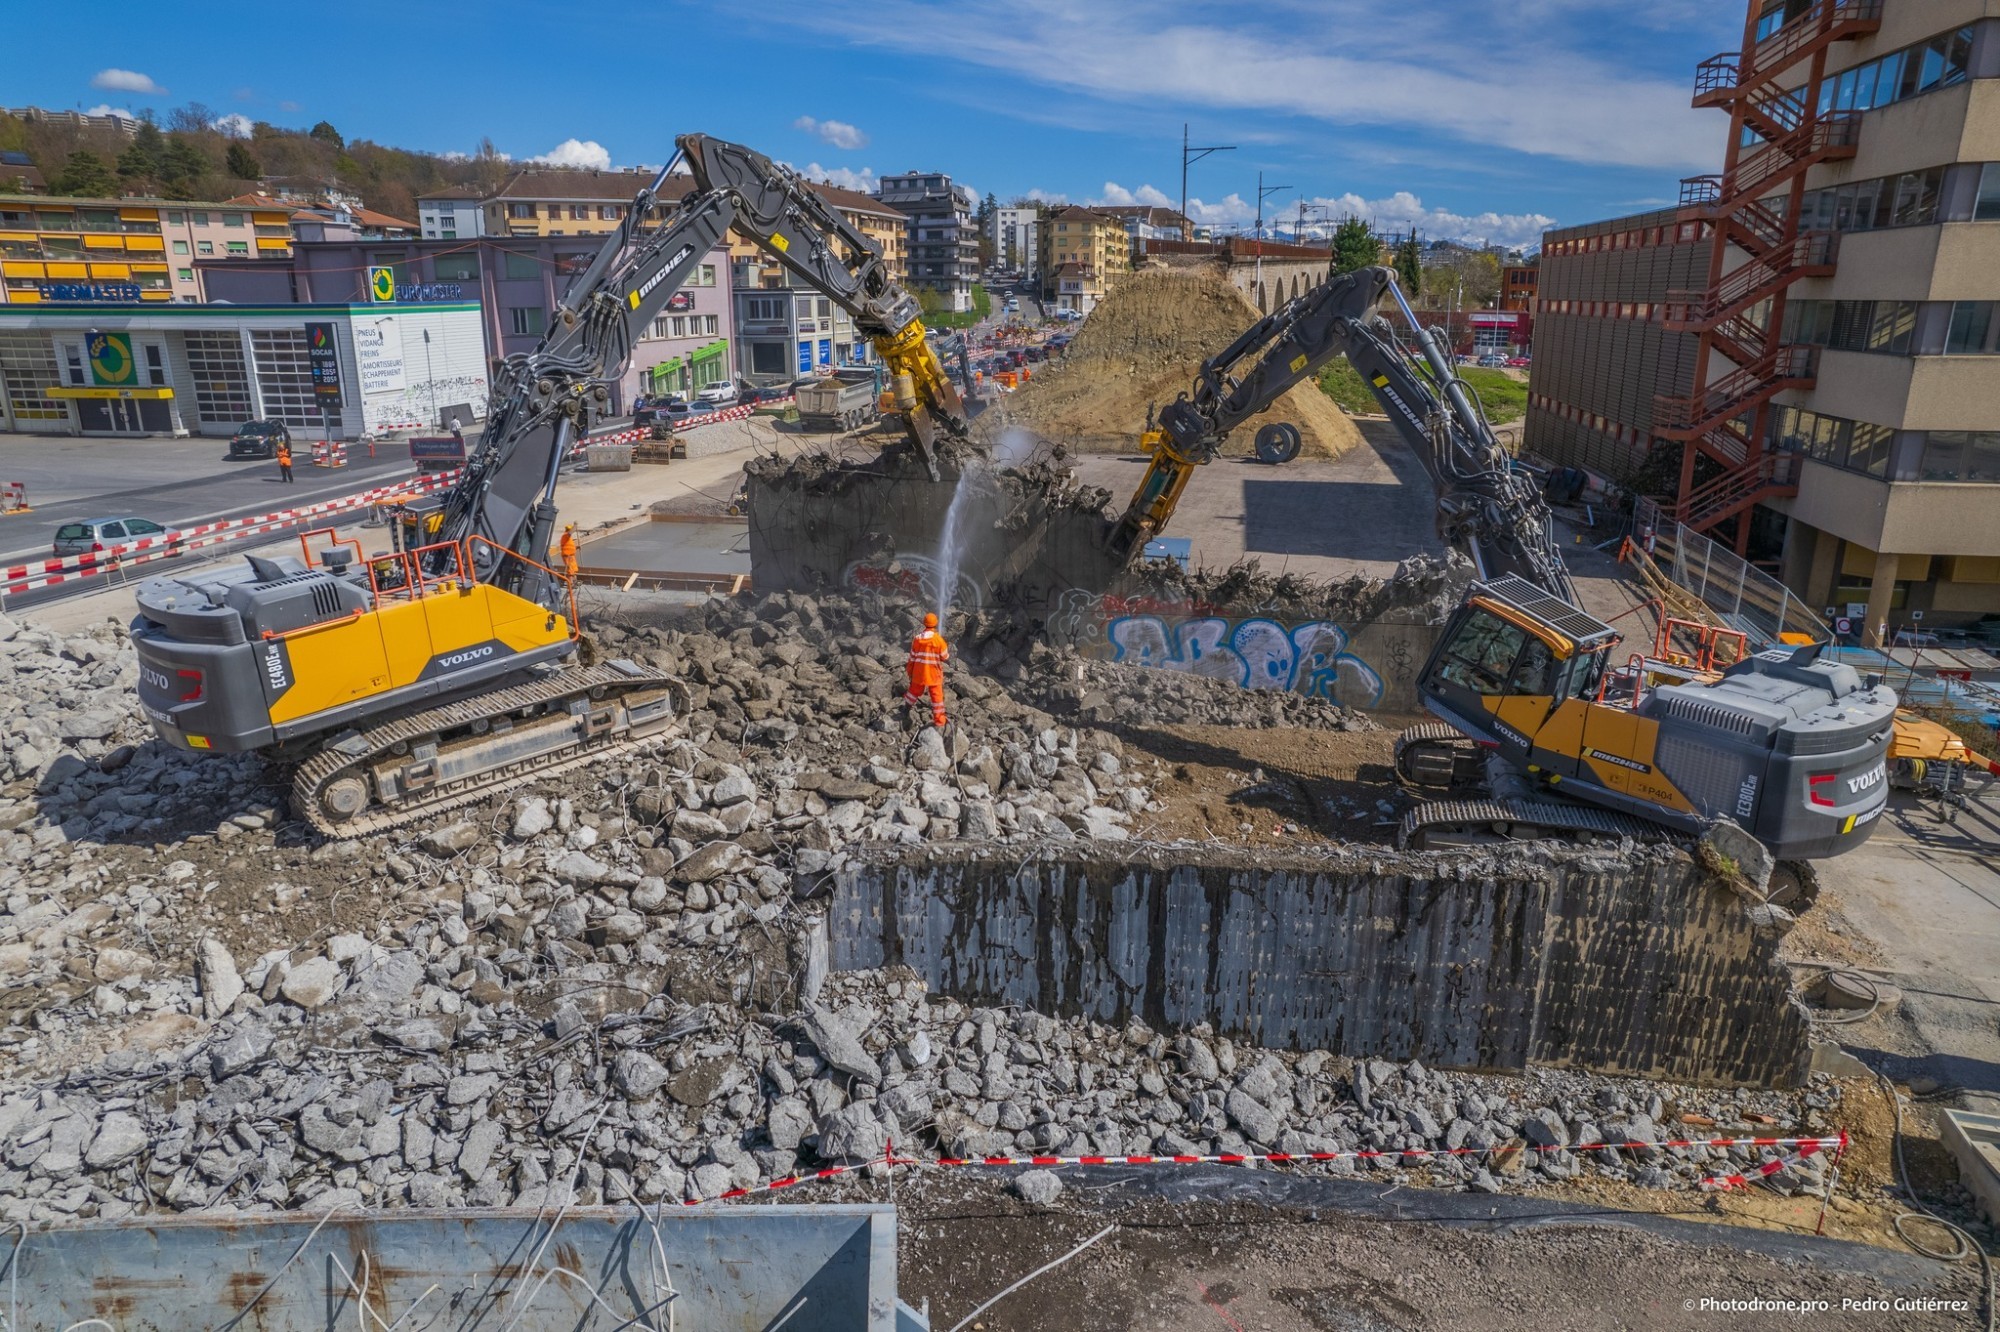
x=1511, y=658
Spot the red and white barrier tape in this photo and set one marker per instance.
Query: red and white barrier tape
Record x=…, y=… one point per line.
x=22, y=577
x=1806, y=1147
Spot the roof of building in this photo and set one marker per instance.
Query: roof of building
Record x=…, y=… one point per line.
x=99, y=201
x=368, y=217
x=854, y=201
x=1093, y=216
x=257, y=200
x=453, y=192
x=573, y=183
x=1151, y=215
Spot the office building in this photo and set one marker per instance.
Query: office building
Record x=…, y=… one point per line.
x=1807, y=347
x=943, y=242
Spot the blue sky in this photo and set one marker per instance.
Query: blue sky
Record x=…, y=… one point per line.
x=1475, y=119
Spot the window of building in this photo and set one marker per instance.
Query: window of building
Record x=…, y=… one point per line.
x=237, y=249
x=607, y=212
x=1908, y=200
x=456, y=267
x=579, y=212
x=28, y=368
x=520, y=210
x=518, y=266
x=679, y=324
x=764, y=308
x=1944, y=60
x=659, y=326
x=527, y=320
x=1974, y=330
x=1887, y=327
x=186, y=274
x=711, y=324
x=232, y=219
x=180, y=247
x=204, y=247
x=703, y=276
x=199, y=219
x=1855, y=446
x=1962, y=455
x=175, y=218
x=1987, y=207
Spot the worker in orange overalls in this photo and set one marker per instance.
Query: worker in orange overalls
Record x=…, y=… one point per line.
x=567, y=548
x=284, y=457
x=928, y=654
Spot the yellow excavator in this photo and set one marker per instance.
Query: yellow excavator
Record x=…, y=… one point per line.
x=1559, y=739
x=413, y=680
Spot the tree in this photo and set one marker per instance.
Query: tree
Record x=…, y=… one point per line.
x=326, y=133
x=85, y=174
x=194, y=118
x=242, y=164
x=1354, y=246
x=146, y=158
x=186, y=167
x=1410, y=265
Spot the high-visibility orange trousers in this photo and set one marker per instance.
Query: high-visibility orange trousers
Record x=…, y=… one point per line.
x=915, y=698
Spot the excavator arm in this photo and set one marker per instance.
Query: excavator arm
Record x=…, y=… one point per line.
x=783, y=215
x=1485, y=508
x=547, y=397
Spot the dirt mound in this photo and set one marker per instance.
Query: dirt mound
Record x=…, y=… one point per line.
x=1141, y=348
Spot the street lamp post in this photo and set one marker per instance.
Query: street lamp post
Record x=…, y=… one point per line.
x=1263, y=193
x=430, y=381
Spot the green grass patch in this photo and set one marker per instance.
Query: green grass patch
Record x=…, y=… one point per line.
x=1505, y=398
x=982, y=306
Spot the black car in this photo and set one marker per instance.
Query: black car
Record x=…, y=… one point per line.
x=258, y=439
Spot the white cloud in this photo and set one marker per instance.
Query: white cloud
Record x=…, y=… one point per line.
x=125, y=80
x=1055, y=198
x=864, y=180
x=588, y=153
x=106, y=109
x=235, y=125
x=288, y=105
x=836, y=132
x=1118, y=195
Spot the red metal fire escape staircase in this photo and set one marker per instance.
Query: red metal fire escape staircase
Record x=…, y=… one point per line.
x=1731, y=316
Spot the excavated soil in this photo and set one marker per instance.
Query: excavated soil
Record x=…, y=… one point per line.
x=1140, y=349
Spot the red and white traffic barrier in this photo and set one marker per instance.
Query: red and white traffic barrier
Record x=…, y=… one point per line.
x=47, y=573
x=14, y=497
x=329, y=453
x=1804, y=1147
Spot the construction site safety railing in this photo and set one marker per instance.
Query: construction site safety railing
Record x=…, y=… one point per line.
x=1744, y=596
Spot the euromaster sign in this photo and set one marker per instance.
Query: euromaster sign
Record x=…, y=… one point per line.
x=383, y=287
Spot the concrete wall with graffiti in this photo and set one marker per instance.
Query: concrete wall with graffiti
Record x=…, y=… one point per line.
x=1371, y=665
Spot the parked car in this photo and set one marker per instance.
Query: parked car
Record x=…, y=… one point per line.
x=1519, y=362
x=96, y=534
x=721, y=394
x=258, y=439
x=1492, y=361
x=752, y=395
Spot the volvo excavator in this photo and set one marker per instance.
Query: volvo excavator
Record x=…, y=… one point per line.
x=412, y=681
x=1540, y=733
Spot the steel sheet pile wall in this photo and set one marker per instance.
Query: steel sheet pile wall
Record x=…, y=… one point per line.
x=1649, y=969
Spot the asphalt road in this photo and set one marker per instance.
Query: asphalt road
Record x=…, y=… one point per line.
x=176, y=483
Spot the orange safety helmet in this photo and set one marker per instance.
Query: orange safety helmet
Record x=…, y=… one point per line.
x=930, y=621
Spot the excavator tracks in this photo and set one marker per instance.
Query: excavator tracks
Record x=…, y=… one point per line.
x=362, y=782
x=1437, y=754
x=1473, y=822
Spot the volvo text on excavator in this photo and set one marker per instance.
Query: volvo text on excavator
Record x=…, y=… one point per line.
x=1531, y=706
x=422, y=678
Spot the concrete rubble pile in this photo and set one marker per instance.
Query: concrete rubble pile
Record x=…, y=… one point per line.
x=618, y=977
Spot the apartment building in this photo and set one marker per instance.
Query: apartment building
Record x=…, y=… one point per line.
x=560, y=201
x=1015, y=232
x=1148, y=222
x=1083, y=251
x=121, y=250
x=1814, y=330
x=943, y=241
x=454, y=213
